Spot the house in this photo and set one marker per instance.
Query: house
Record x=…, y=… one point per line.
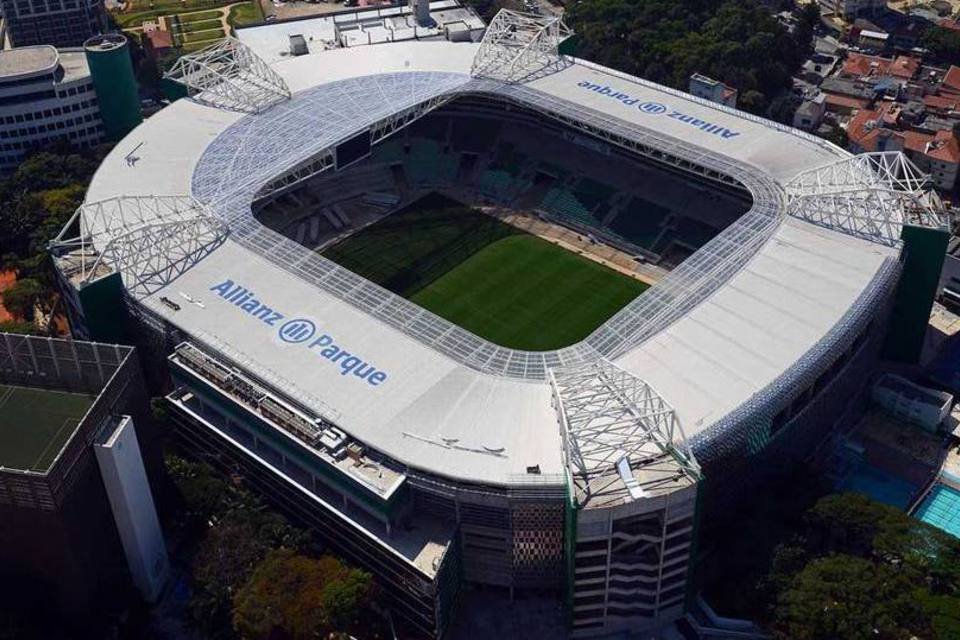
x=938, y=155
x=712, y=90
x=858, y=65
x=849, y=9
x=810, y=113
x=951, y=81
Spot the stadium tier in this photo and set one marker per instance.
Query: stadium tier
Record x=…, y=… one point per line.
x=236, y=229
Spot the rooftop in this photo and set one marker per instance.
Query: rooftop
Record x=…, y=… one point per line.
x=35, y=424
x=951, y=81
x=802, y=279
x=369, y=25
x=27, y=61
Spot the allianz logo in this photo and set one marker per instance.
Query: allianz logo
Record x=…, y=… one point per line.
x=656, y=108
x=298, y=330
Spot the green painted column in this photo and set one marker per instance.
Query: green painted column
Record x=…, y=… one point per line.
x=924, y=250
x=111, y=70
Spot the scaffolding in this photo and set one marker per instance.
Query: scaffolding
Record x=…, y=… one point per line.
x=871, y=196
x=149, y=240
x=229, y=75
x=519, y=47
x=610, y=418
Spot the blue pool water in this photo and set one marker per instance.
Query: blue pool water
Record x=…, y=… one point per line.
x=878, y=485
x=941, y=508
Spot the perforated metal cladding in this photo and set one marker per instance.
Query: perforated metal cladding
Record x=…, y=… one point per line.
x=538, y=551
x=728, y=451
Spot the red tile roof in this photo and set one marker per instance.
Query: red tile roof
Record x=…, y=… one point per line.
x=943, y=146
x=859, y=65
x=951, y=81
x=944, y=103
x=160, y=39
x=868, y=126
x=837, y=100
x=904, y=67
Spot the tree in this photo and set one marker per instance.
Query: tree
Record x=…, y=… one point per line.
x=943, y=44
x=297, y=597
x=736, y=41
x=850, y=598
x=22, y=297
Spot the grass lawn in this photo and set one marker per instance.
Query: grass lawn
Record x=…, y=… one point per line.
x=142, y=10
x=189, y=27
x=196, y=46
x=199, y=16
x=208, y=36
x=243, y=15
x=35, y=424
x=507, y=286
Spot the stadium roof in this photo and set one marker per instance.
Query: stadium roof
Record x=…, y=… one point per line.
x=731, y=322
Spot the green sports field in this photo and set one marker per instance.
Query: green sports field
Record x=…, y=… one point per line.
x=507, y=286
x=35, y=424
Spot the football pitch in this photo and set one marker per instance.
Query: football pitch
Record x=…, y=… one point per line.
x=35, y=424
x=507, y=286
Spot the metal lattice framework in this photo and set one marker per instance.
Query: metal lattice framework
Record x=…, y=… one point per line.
x=229, y=75
x=150, y=240
x=520, y=46
x=606, y=415
x=871, y=195
x=242, y=164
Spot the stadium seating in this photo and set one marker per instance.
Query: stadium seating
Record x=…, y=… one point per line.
x=559, y=201
x=477, y=135
x=640, y=223
x=592, y=193
x=389, y=151
x=426, y=163
x=496, y=184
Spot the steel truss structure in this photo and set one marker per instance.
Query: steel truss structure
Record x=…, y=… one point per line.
x=608, y=415
x=517, y=47
x=871, y=195
x=150, y=240
x=378, y=132
x=229, y=75
x=240, y=167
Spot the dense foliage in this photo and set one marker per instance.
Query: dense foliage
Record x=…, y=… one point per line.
x=297, y=597
x=254, y=574
x=846, y=568
x=35, y=202
x=736, y=41
x=861, y=569
x=943, y=45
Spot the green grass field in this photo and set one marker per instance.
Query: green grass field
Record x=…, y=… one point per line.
x=507, y=286
x=35, y=424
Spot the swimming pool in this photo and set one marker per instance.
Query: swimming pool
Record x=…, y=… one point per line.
x=941, y=508
x=882, y=487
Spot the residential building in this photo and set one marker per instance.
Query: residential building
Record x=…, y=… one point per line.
x=849, y=9
x=61, y=23
x=712, y=90
x=810, y=113
x=46, y=94
x=879, y=130
x=938, y=154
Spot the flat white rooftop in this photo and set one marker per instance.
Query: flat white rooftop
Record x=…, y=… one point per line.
x=432, y=411
x=372, y=25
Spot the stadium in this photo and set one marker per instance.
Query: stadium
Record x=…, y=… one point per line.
x=482, y=313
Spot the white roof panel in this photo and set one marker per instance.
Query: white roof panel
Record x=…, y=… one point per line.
x=433, y=411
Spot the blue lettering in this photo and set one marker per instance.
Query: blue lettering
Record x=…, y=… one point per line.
x=299, y=331
x=223, y=288
x=654, y=108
